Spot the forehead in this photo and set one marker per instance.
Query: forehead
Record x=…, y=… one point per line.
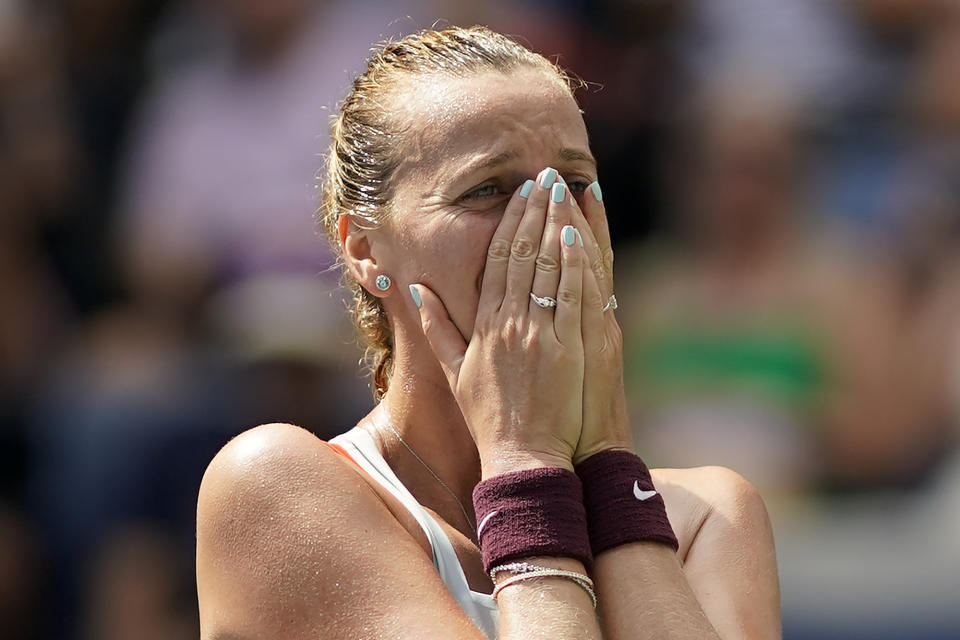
x=449, y=121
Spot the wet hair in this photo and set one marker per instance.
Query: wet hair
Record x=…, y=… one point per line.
x=365, y=146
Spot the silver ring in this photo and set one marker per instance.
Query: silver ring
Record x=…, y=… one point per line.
x=544, y=303
x=611, y=303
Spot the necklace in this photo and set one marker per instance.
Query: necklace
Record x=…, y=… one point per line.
x=463, y=510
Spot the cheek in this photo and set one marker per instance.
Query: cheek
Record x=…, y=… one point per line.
x=450, y=259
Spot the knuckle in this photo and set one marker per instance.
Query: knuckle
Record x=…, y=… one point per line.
x=522, y=249
x=499, y=249
x=597, y=266
x=547, y=263
x=608, y=260
x=594, y=300
x=568, y=296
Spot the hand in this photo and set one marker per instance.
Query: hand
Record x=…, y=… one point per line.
x=519, y=382
x=605, y=421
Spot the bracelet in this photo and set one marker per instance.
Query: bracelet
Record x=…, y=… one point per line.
x=529, y=513
x=546, y=572
x=621, y=502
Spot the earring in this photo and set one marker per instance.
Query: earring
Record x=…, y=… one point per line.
x=383, y=282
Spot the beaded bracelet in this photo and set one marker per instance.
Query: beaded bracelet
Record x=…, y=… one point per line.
x=526, y=571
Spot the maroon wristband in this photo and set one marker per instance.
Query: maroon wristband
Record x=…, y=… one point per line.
x=534, y=512
x=621, y=502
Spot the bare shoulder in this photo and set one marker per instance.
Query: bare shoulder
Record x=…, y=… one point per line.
x=693, y=496
x=294, y=542
x=727, y=548
x=264, y=501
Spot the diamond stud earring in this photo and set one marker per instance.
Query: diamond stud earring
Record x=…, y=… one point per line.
x=383, y=282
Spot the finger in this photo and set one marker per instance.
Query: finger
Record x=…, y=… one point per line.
x=546, y=276
x=594, y=256
x=443, y=336
x=567, y=317
x=592, y=320
x=596, y=214
x=526, y=245
x=498, y=253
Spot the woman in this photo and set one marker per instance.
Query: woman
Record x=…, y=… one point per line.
x=497, y=361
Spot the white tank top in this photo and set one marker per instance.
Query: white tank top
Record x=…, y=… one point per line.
x=480, y=607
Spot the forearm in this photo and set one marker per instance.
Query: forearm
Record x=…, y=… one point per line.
x=548, y=608
x=643, y=593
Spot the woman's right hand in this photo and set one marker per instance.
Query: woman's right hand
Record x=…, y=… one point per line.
x=519, y=381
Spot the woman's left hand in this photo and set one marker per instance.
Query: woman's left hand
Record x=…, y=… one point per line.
x=605, y=421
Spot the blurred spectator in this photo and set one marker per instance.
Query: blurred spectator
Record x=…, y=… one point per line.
x=752, y=340
x=231, y=319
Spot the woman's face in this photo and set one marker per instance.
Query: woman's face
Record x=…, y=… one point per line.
x=468, y=145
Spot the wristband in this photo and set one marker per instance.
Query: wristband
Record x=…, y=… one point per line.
x=534, y=512
x=621, y=502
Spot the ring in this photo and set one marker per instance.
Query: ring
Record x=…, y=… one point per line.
x=611, y=303
x=544, y=303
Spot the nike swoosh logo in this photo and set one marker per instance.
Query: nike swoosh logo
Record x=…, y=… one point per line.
x=641, y=494
x=484, y=522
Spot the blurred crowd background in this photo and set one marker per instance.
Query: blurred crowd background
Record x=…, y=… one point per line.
x=783, y=180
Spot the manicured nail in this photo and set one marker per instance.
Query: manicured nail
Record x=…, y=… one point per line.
x=560, y=179
x=597, y=193
x=526, y=189
x=557, y=192
x=548, y=178
x=416, y=296
x=579, y=237
x=569, y=235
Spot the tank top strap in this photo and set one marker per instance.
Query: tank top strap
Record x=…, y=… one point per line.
x=362, y=450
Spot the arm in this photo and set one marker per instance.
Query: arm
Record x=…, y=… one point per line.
x=292, y=542
x=725, y=569
x=713, y=596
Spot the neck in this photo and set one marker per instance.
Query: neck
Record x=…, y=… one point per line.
x=421, y=408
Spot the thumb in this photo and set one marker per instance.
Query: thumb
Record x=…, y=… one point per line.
x=445, y=340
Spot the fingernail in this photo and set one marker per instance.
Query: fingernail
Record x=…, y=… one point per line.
x=526, y=189
x=597, y=193
x=568, y=234
x=416, y=296
x=560, y=179
x=557, y=192
x=579, y=237
x=548, y=178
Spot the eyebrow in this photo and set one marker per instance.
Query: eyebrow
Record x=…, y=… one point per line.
x=567, y=154
x=573, y=155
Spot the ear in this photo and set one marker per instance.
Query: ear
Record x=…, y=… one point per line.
x=358, y=256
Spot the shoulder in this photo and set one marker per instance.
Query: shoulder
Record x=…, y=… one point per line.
x=257, y=470
x=274, y=504
x=713, y=494
x=726, y=547
x=293, y=541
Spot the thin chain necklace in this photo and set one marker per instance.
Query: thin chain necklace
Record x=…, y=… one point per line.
x=473, y=526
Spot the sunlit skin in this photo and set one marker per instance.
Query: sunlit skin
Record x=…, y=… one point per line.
x=312, y=567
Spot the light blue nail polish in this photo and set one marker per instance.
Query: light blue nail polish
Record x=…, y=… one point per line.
x=526, y=189
x=548, y=178
x=560, y=179
x=416, y=296
x=597, y=193
x=557, y=193
x=579, y=237
x=568, y=234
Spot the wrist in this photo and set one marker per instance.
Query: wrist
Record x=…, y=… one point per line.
x=508, y=460
x=607, y=444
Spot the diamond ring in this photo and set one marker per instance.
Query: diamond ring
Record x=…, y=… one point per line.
x=611, y=303
x=544, y=303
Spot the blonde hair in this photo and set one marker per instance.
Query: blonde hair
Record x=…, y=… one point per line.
x=364, y=143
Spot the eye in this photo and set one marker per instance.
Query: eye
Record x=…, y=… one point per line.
x=577, y=185
x=483, y=191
